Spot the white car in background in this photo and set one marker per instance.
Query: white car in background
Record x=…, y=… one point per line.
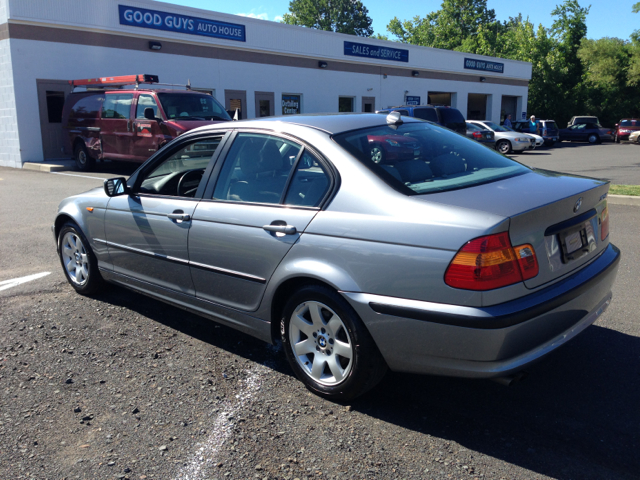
x=507, y=140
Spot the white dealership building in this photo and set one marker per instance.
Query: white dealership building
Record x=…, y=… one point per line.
x=255, y=66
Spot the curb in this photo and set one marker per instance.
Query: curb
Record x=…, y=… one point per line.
x=623, y=200
x=44, y=167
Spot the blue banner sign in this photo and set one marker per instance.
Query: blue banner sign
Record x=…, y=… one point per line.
x=412, y=100
x=172, y=22
x=375, y=51
x=483, y=65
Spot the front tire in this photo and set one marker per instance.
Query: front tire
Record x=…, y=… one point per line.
x=84, y=162
x=328, y=346
x=79, y=263
x=593, y=138
x=503, y=146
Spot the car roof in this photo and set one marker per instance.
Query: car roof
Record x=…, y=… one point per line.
x=331, y=123
x=133, y=90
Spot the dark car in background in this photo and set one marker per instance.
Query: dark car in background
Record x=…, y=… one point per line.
x=586, y=132
x=625, y=128
x=480, y=134
x=548, y=130
x=448, y=117
x=582, y=119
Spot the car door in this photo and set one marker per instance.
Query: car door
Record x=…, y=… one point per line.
x=115, y=126
x=266, y=192
x=147, y=230
x=147, y=134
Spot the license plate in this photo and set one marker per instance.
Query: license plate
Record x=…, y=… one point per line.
x=555, y=139
x=573, y=241
x=416, y=152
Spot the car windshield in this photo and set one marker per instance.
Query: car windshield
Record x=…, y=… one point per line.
x=497, y=128
x=190, y=106
x=418, y=158
x=630, y=123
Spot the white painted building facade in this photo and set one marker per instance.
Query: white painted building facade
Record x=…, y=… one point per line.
x=246, y=63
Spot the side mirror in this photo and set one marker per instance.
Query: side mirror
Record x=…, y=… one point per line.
x=149, y=114
x=114, y=187
x=617, y=124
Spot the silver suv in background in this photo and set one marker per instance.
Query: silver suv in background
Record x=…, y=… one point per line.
x=506, y=140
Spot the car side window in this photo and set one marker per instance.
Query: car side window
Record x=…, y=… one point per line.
x=146, y=101
x=181, y=172
x=309, y=184
x=117, y=105
x=256, y=169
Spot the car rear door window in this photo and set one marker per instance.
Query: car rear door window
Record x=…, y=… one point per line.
x=309, y=184
x=256, y=169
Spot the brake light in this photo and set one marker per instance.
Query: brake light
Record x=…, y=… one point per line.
x=477, y=135
x=604, y=223
x=491, y=262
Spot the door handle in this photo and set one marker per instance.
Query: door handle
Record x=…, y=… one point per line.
x=286, y=229
x=179, y=217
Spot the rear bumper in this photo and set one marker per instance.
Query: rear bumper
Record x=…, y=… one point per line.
x=485, y=342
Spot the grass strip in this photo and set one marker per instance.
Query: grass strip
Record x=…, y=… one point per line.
x=625, y=190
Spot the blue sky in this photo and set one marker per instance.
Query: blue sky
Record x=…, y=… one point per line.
x=605, y=19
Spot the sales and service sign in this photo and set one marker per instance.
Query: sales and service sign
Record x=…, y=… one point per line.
x=375, y=51
x=483, y=65
x=412, y=100
x=172, y=22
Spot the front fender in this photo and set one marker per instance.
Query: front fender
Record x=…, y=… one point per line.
x=87, y=211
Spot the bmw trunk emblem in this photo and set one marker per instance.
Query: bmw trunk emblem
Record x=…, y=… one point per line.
x=577, y=205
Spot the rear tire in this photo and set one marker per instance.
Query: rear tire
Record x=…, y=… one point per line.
x=593, y=138
x=79, y=264
x=377, y=154
x=327, y=345
x=84, y=162
x=503, y=146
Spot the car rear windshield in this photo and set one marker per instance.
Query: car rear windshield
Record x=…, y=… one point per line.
x=417, y=158
x=452, y=118
x=189, y=106
x=550, y=125
x=426, y=114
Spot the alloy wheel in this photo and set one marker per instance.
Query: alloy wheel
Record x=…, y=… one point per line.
x=74, y=258
x=320, y=343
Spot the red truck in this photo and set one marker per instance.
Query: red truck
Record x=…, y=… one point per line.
x=121, y=118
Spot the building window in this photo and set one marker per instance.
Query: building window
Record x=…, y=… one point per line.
x=345, y=104
x=291, y=104
x=55, y=100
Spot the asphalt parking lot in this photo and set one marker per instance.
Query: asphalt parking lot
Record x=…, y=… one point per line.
x=617, y=162
x=121, y=386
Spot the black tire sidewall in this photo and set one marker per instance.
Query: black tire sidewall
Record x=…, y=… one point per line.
x=363, y=345
x=94, y=280
x=88, y=164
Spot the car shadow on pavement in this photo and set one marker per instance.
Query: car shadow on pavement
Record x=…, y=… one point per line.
x=198, y=327
x=577, y=415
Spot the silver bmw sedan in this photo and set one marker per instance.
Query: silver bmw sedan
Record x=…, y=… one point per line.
x=436, y=256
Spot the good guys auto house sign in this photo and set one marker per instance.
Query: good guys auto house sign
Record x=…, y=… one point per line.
x=155, y=19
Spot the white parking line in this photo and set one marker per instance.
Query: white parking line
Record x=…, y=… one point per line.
x=14, y=282
x=73, y=175
x=206, y=452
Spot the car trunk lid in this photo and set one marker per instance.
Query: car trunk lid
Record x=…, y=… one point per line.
x=558, y=214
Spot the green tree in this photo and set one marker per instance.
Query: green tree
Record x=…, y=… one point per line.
x=448, y=28
x=342, y=16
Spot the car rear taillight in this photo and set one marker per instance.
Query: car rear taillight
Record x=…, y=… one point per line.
x=491, y=262
x=604, y=223
x=477, y=135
